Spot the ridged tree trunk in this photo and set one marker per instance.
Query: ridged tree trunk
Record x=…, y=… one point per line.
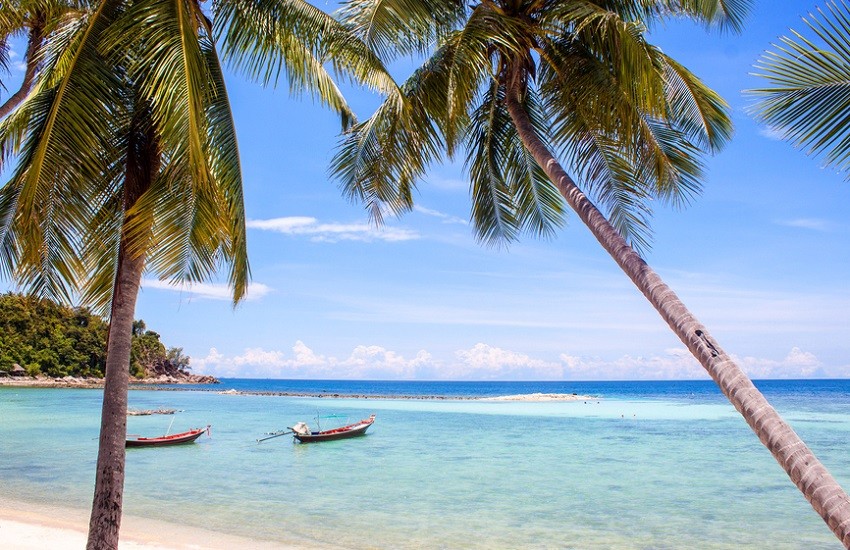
x=36, y=37
x=142, y=164
x=805, y=470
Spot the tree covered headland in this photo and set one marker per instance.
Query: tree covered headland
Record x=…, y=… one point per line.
x=53, y=340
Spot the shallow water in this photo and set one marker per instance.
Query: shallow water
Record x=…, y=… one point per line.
x=659, y=467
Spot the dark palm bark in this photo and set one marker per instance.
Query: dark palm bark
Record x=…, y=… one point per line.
x=36, y=37
x=805, y=470
x=142, y=165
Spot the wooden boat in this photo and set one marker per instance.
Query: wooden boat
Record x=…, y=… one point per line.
x=302, y=432
x=173, y=439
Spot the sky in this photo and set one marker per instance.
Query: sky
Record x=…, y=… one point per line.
x=761, y=257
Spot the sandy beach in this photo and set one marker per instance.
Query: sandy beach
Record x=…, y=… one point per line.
x=25, y=526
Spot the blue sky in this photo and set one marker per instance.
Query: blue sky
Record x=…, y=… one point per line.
x=761, y=257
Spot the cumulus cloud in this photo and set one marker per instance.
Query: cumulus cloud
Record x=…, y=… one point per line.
x=209, y=291
x=365, y=362
x=486, y=362
x=332, y=232
x=679, y=364
x=797, y=364
x=672, y=364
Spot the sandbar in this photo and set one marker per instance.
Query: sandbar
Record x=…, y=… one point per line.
x=541, y=397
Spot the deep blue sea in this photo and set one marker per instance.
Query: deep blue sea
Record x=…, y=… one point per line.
x=643, y=465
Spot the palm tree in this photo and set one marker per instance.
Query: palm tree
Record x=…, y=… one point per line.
x=807, y=101
x=37, y=19
x=522, y=85
x=127, y=161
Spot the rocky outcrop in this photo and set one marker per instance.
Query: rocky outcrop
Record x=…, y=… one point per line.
x=166, y=372
x=82, y=382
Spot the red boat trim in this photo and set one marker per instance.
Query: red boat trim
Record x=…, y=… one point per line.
x=184, y=437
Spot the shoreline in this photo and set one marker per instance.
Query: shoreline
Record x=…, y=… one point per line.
x=31, y=526
x=97, y=383
x=160, y=385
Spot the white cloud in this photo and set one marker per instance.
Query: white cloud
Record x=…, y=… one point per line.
x=771, y=132
x=485, y=362
x=332, y=232
x=365, y=362
x=673, y=364
x=814, y=224
x=447, y=218
x=679, y=364
x=797, y=364
x=210, y=291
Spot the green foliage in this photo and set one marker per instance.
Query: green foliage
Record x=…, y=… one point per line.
x=53, y=340
x=147, y=351
x=49, y=339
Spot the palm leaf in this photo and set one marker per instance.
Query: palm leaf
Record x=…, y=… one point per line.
x=699, y=111
x=624, y=156
x=493, y=209
x=540, y=206
x=808, y=99
x=162, y=41
x=265, y=39
x=401, y=27
x=60, y=159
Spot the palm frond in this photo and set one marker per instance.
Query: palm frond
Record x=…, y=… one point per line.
x=162, y=42
x=511, y=193
x=807, y=101
x=401, y=27
x=228, y=176
x=101, y=243
x=725, y=14
x=701, y=114
x=60, y=161
x=617, y=44
x=4, y=58
x=493, y=208
x=269, y=38
x=379, y=160
x=540, y=207
x=624, y=156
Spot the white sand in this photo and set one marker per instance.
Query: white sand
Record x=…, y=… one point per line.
x=24, y=526
x=542, y=397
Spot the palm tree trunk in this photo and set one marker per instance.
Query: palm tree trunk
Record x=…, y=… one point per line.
x=142, y=165
x=805, y=470
x=109, y=482
x=36, y=36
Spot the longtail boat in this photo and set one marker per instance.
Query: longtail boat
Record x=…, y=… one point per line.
x=302, y=432
x=162, y=440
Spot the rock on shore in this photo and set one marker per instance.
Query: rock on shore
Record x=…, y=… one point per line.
x=86, y=382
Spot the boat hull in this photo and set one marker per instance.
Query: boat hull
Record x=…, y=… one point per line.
x=352, y=430
x=176, y=439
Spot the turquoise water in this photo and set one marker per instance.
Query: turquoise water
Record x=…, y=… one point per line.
x=633, y=469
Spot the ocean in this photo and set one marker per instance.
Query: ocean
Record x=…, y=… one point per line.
x=639, y=465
